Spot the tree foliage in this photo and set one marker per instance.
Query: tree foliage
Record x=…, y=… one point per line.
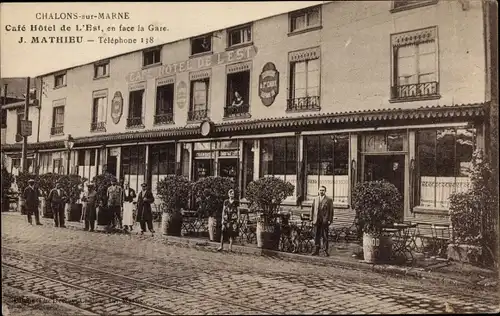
x=174, y=192
x=210, y=193
x=266, y=195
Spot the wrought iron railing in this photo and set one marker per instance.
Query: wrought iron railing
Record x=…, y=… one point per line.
x=197, y=115
x=416, y=90
x=134, y=121
x=235, y=111
x=303, y=104
x=98, y=126
x=164, y=118
x=57, y=130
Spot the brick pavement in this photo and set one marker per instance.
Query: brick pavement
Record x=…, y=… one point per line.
x=279, y=286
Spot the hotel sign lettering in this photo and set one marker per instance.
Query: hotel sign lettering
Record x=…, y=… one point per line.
x=269, y=84
x=194, y=64
x=117, y=107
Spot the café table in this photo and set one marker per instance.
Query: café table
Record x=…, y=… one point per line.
x=404, y=239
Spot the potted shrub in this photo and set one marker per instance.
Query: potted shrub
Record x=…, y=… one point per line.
x=265, y=196
x=102, y=182
x=73, y=186
x=378, y=204
x=472, y=215
x=210, y=193
x=7, y=180
x=174, y=192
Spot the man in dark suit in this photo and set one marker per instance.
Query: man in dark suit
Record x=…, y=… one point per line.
x=30, y=196
x=57, y=198
x=321, y=217
x=144, y=212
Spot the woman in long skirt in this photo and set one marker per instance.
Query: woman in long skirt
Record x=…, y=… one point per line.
x=128, y=206
x=229, y=220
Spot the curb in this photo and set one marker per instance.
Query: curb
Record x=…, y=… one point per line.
x=417, y=273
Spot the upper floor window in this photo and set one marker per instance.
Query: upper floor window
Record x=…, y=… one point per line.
x=164, y=112
x=415, y=65
x=201, y=44
x=304, y=90
x=200, y=88
x=59, y=80
x=101, y=70
x=151, y=57
x=240, y=35
x=305, y=19
x=399, y=5
x=57, y=120
x=4, y=118
x=238, y=90
x=100, y=100
x=20, y=117
x=135, y=106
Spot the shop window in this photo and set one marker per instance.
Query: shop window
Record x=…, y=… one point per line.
x=136, y=100
x=57, y=120
x=304, y=92
x=415, y=65
x=20, y=117
x=199, y=99
x=309, y=18
x=443, y=166
x=238, y=93
x=164, y=104
x=98, y=123
x=59, y=80
x=101, y=70
x=132, y=168
x=57, y=166
x=327, y=164
x=240, y=35
x=202, y=44
x=151, y=57
x=162, y=162
x=248, y=164
x=278, y=158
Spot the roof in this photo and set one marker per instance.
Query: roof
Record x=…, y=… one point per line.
x=174, y=41
x=16, y=87
x=379, y=117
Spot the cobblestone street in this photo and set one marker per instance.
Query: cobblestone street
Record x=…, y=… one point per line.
x=122, y=275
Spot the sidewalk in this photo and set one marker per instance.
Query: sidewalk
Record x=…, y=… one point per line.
x=431, y=269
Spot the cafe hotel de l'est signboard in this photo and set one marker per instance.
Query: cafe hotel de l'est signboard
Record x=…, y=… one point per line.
x=193, y=64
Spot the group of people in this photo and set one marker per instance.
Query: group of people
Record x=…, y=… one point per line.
x=121, y=199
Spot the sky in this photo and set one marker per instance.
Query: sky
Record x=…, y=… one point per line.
x=182, y=20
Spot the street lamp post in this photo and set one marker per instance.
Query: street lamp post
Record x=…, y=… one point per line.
x=69, y=143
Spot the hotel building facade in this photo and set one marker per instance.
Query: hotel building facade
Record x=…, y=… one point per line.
x=329, y=95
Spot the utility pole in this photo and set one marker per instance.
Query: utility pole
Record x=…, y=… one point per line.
x=25, y=138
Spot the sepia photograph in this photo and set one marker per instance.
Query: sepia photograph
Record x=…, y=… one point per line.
x=249, y=158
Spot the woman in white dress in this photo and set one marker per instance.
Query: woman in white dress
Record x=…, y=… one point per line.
x=128, y=206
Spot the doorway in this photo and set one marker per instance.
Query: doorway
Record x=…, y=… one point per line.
x=228, y=167
x=111, y=165
x=388, y=167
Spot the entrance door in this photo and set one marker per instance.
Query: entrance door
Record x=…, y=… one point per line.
x=388, y=167
x=228, y=167
x=111, y=165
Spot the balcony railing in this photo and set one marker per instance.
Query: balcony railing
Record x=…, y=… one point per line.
x=98, y=126
x=197, y=115
x=235, y=111
x=409, y=4
x=415, y=91
x=303, y=104
x=135, y=122
x=57, y=130
x=164, y=118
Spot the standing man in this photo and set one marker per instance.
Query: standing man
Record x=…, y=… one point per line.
x=90, y=214
x=144, y=212
x=321, y=216
x=30, y=195
x=115, y=203
x=57, y=198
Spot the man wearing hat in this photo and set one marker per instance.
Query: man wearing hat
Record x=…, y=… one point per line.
x=90, y=214
x=144, y=213
x=30, y=196
x=57, y=198
x=115, y=203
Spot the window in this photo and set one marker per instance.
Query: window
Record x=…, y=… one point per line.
x=57, y=120
x=151, y=57
x=101, y=70
x=238, y=90
x=415, y=65
x=248, y=163
x=164, y=104
x=136, y=99
x=399, y=5
x=199, y=99
x=163, y=163
x=132, y=165
x=201, y=44
x=304, y=92
x=99, y=113
x=20, y=117
x=57, y=166
x=327, y=164
x=444, y=162
x=278, y=158
x=305, y=19
x=4, y=118
x=241, y=35
x=87, y=163
x=59, y=80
